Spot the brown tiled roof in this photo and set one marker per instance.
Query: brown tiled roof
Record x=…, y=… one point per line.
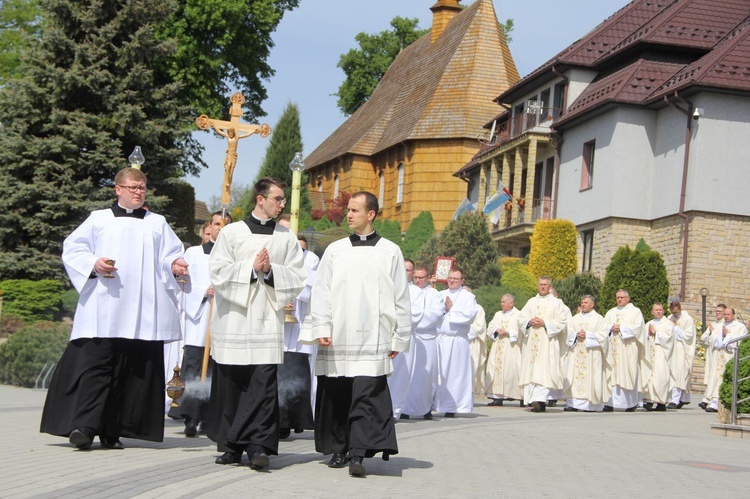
x=432, y=90
x=692, y=25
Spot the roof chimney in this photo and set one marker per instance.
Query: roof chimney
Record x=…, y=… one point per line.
x=442, y=12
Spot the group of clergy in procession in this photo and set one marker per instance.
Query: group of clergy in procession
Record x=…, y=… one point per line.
x=346, y=345
x=543, y=353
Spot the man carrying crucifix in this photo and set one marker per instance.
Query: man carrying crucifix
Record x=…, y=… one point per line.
x=361, y=318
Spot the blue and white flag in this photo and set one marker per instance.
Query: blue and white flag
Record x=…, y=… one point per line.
x=494, y=206
x=464, y=207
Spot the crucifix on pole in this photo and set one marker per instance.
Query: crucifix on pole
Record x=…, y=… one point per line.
x=233, y=131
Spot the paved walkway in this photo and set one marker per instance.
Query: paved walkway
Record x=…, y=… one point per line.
x=496, y=450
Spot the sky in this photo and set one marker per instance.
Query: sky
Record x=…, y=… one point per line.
x=310, y=39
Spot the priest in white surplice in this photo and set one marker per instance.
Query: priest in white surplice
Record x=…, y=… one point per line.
x=543, y=318
x=123, y=261
x=424, y=347
x=683, y=356
x=627, y=340
x=586, y=387
x=504, y=361
x=199, y=293
x=478, y=349
x=400, y=379
x=257, y=268
x=731, y=329
x=455, y=393
x=655, y=371
x=361, y=318
x=707, y=339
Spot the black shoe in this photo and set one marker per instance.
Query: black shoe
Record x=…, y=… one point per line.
x=682, y=404
x=631, y=409
x=608, y=408
x=428, y=416
x=703, y=405
x=356, y=468
x=111, y=442
x=403, y=416
x=649, y=406
x=660, y=408
x=449, y=415
x=570, y=409
x=299, y=430
x=337, y=461
x=671, y=405
x=80, y=438
x=538, y=407
x=284, y=433
x=522, y=404
x=495, y=402
x=229, y=458
x=259, y=460
x=552, y=403
x=191, y=428
x=711, y=409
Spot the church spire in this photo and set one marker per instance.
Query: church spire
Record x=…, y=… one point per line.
x=442, y=12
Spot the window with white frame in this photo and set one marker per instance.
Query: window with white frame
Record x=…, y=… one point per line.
x=381, y=191
x=336, y=187
x=587, y=237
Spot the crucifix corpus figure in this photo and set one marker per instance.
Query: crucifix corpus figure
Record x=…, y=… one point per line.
x=233, y=131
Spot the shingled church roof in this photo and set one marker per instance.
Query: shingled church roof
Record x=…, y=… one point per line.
x=433, y=90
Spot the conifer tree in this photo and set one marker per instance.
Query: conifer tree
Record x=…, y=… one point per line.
x=285, y=141
x=86, y=98
x=419, y=232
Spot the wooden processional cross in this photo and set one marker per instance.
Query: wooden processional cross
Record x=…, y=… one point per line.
x=233, y=131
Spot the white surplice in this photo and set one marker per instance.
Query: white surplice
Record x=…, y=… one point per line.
x=681, y=362
x=586, y=386
x=722, y=355
x=624, y=354
x=455, y=392
x=656, y=377
x=247, y=326
x=424, y=353
x=504, y=360
x=139, y=302
x=479, y=350
x=403, y=365
x=541, y=364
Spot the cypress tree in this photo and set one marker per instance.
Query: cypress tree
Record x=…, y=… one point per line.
x=285, y=141
x=419, y=232
x=86, y=98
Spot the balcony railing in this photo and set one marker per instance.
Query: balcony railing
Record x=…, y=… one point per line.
x=541, y=209
x=522, y=123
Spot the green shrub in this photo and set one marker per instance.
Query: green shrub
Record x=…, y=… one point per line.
x=323, y=224
x=570, y=289
x=9, y=324
x=641, y=273
x=743, y=388
x=518, y=280
x=32, y=300
x=70, y=302
x=330, y=235
x=419, y=232
x=553, y=249
x=27, y=351
x=388, y=229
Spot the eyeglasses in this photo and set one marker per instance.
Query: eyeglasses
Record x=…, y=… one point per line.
x=419, y=277
x=134, y=188
x=455, y=279
x=278, y=199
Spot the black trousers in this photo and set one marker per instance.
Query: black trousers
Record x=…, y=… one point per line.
x=244, y=408
x=354, y=415
x=194, y=404
x=109, y=386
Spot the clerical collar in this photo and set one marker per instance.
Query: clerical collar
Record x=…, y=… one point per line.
x=657, y=320
x=728, y=323
x=207, y=247
x=258, y=226
x=119, y=211
x=369, y=240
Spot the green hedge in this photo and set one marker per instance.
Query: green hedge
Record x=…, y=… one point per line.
x=743, y=389
x=27, y=351
x=32, y=300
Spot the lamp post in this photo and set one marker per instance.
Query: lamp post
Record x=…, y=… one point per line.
x=136, y=158
x=297, y=165
x=704, y=295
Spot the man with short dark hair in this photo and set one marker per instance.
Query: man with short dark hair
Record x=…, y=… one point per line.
x=256, y=268
x=360, y=316
x=110, y=381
